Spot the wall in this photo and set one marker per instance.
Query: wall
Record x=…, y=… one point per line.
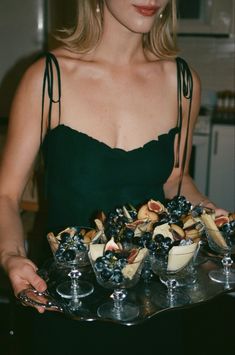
x=22, y=26
x=213, y=58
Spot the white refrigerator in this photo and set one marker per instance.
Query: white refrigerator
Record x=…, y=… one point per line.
x=23, y=35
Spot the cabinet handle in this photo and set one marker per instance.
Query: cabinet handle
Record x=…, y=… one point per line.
x=215, y=150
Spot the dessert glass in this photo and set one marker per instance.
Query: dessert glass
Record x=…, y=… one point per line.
x=171, y=275
x=76, y=287
x=220, y=242
x=72, y=255
x=189, y=275
x=119, y=309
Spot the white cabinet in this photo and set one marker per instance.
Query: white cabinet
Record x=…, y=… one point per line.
x=222, y=166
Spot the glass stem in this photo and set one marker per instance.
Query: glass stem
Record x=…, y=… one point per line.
x=197, y=251
x=171, y=285
x=118, y=296
x=75, y=302
x=74, y=275
x=227, y=263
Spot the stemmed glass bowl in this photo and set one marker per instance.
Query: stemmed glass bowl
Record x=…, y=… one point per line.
x=72, y=253
x=171, y=268
x=220, y=241
x=119, y=271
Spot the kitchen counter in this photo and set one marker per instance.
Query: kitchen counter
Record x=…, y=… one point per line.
x=230, y=121
x=227, y=118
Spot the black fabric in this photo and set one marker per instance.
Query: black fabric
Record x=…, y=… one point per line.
x=185, y=89
x=59, y=335
x=48, y=82
x=83, y=176
x=88, y=176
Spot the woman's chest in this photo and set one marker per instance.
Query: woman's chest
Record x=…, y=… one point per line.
x=123, y=110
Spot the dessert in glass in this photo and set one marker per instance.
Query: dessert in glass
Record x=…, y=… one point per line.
x=175, y=226
x=117, y=268
x=220, y=234
x=170, y=267
x=157, y=226
x=70, y=248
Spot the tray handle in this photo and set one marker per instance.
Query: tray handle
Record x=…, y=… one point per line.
x=32, y=297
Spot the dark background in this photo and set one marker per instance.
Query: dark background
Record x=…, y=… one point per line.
x=208, y=329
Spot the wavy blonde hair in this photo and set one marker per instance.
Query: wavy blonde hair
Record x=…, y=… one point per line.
x=86, y=34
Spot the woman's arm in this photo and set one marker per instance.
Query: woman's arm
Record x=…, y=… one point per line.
x=21, y=149
x=188, y=188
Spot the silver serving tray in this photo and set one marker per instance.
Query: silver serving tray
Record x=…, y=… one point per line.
x=144, y=294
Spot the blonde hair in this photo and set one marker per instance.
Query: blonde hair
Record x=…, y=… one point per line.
x=82, y=38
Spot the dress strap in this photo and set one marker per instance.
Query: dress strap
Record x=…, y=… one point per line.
x=48, y=82
x=185, y=88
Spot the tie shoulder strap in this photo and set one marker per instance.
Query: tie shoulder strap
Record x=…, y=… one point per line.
x=51, y=65
x=184, y=89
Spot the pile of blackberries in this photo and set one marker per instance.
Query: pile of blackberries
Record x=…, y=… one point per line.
x=178, y=207
x=109, y=266
x=69, y=246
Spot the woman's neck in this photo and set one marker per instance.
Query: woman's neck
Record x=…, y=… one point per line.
x=118, y=45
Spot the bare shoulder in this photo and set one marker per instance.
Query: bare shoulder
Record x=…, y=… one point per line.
x=170, y=67
x=31, y=81
x=30, y=87
x=67, y=59
x=27, y=102
x=196, y=83
x=196, y=79
x=33, y=76
x=170, y=70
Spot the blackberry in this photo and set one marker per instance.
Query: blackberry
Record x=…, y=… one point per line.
x=128, y=234
x=69, y=255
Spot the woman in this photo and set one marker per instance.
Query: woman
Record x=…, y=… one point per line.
x=116, y=123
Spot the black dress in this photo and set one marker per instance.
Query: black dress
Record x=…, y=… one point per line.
x=83, y=176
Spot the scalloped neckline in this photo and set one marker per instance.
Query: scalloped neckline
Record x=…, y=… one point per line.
x=95, y=140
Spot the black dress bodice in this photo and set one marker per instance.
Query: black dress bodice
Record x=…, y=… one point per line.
x=85, y=176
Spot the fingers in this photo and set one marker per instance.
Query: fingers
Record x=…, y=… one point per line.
x=220, y=212
x=22, y=282
x=31, y=280
x=37, y=282
x=22, y=273
x=39, y=309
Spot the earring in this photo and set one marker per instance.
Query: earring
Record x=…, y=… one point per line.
x=161, y=15
x=97, y=8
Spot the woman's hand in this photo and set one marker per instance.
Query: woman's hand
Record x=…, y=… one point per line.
x=22, y=273
x=218, y=211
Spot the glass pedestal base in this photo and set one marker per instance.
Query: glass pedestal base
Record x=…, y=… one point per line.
x=221, y=277
x=82, y=289
x=167, y=300
x=127, y=311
